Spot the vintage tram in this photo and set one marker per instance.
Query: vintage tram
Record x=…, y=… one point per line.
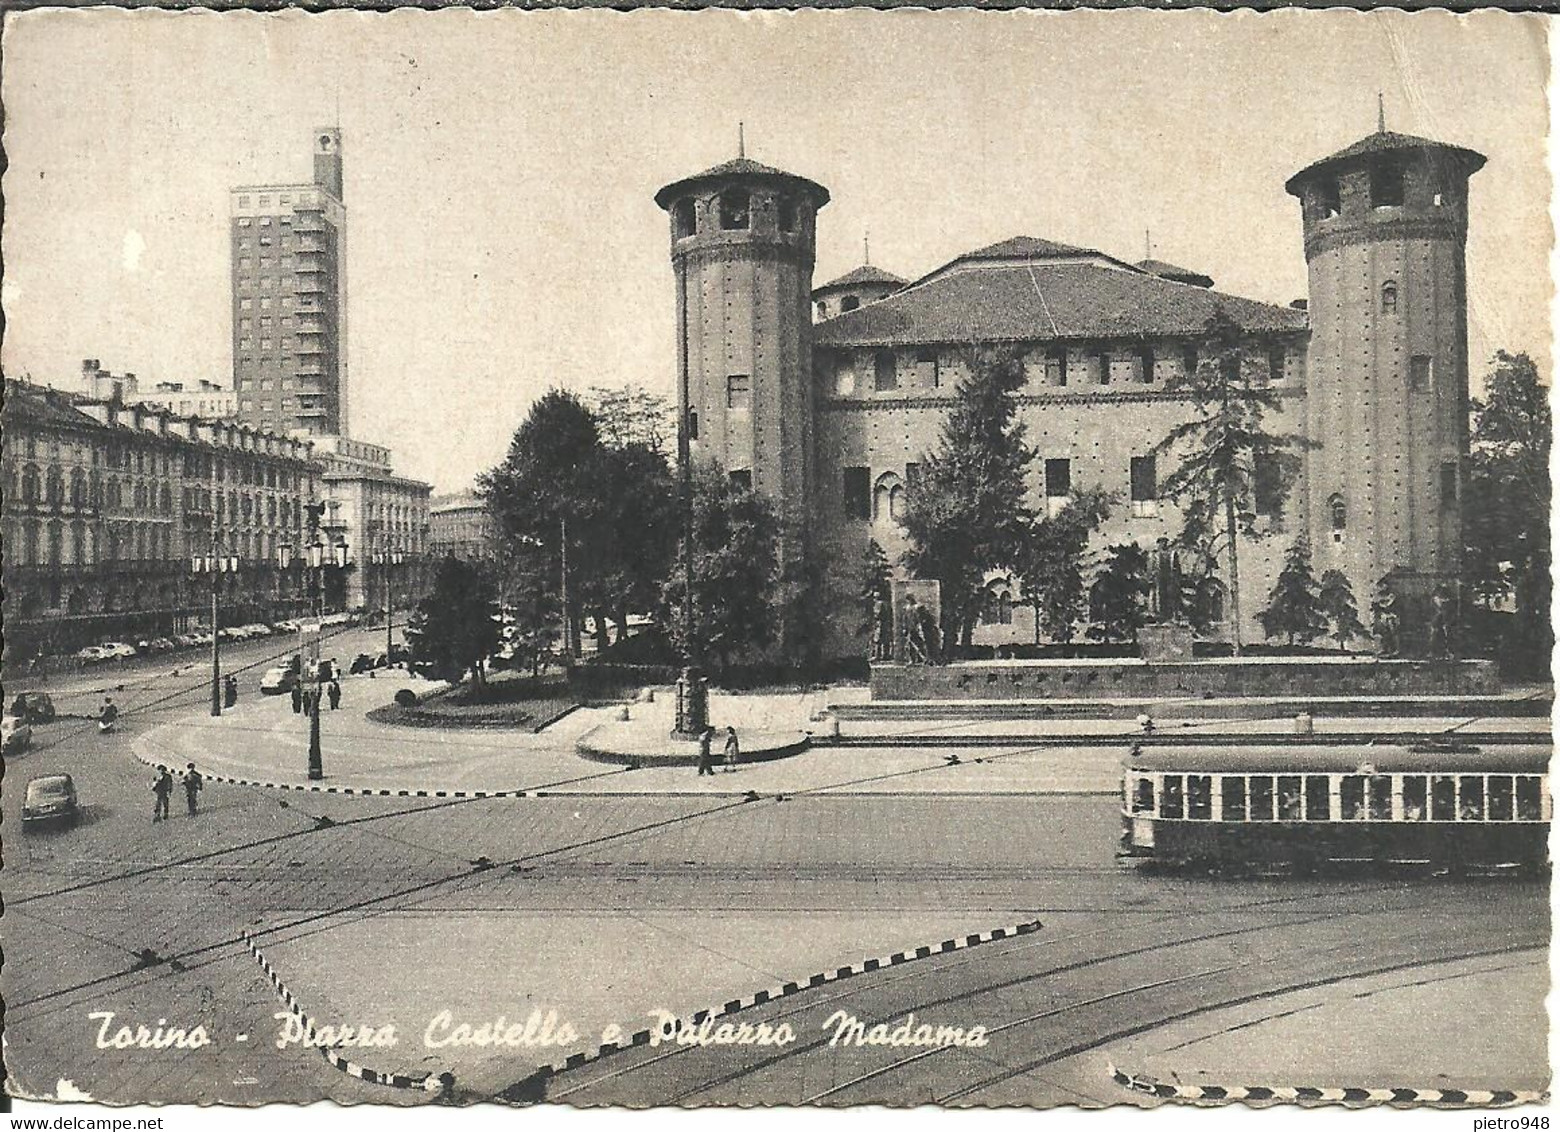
x=1442, y=807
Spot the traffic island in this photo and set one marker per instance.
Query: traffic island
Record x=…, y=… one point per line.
x=625, y=744
x=519, y=704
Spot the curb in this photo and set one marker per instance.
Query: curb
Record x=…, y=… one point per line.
x=428, y=1082
x=774, y=994
x=1353, y=1097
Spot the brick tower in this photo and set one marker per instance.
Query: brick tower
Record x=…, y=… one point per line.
x=1385, y=224
x=742, y=251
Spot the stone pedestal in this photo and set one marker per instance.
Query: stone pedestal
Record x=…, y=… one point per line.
x=1161, y=644
x=693, y=705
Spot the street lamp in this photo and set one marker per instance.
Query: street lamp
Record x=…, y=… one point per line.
x=388, y=558
x=215, y=565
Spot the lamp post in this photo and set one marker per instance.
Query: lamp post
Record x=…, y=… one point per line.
x=215, y=565
x=388, y=557
x=319, y=556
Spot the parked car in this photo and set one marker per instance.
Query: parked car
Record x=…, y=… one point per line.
x=33, y=707
x=118, y=650
x=89, y=655
x=160, y=644
x=361, y=663
x=258, y=630
x=15, y=734
x=50, y=798
x=278, y=681
x=288, y=626
x=232, y=633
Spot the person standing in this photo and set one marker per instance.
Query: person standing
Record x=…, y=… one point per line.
x=162, y=789
x=706, y=759
x=733, y=753
x=192, y=786
x=334, y=690
x=297, y=697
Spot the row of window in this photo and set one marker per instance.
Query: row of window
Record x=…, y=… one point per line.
x=264, y=199
x=1340, y=797
x=1388, y=189
x=733, y=211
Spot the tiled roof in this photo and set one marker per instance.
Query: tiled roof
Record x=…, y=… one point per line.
x=1385, y=141
x=866, y=273
x=1027, y=247
x=38, y=405
x=1170, y=271
x=1046, y=301
x=739, y=167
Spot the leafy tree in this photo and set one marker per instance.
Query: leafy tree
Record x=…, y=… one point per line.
x=968, y=513
x=1118, y=600
x=1223, y=447
x=626, y=553
x=1051, y=562
x=631, y=415
x=736, y=572
x=1338, y=606
x=456, y=627
x=1506, y=499
x=529, y=599
x=1294, y=607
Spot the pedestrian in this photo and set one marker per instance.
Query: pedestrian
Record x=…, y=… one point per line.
x=297, y=697
x=192, y=786
x=107, y=715
x=162, y=789
x=334, y=690
x=230, y=688
x=732, y=751
x=706, y=760
x=335, y=671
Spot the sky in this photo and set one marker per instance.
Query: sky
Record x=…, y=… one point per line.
x=502, y=239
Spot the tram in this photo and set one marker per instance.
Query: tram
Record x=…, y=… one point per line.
x=1442, y=807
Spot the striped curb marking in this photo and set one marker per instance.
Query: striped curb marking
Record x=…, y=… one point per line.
x=642, y=1037
x=428, y=1082
x=1359, y=1097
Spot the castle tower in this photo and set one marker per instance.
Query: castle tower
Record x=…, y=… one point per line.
x=742, y=251
x=1385, y=224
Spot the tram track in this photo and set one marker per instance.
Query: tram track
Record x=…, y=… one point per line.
x=941, y=970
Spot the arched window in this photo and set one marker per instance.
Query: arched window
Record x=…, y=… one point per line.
x=78, y=488
x=685, y=217
x=998, y=607
x=888, y=498
x=734, y=209
x=78, y=543
x=55, y=543
x=29, y=484
x=1389, y=297
x=167, y=500
x=30, y=542
x=1339, y=514
x=55, y=491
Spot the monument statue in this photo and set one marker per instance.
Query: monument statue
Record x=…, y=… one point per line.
x=1385, y=621
x=1441, y=623
x=914, y=630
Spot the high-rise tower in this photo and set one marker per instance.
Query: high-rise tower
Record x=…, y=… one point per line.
x=289, y=298
x=1385, y=224
x=742, y=250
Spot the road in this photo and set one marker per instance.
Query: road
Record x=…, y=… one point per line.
x=607, y=907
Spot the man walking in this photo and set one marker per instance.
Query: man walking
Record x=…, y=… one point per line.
x=162, y=789
x=192, y=787
x=732, y=751
x=297, y=697
x=706, y=760
x=334, y=690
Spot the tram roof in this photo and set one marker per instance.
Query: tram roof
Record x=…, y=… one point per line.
x=1520, y=758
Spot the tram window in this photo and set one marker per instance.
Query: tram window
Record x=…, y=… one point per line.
x=1529, y=804
x=1289, y=798
x=1500, y=797
x=1261, y=797
x=1351, y=797
x=1318, y=796
x=1470, y=802
x=1232, y=793
x=1170, y=799
x=1381, y=797
x=1413, y=797
x=1143, y=796
x=1199, y=796
x=1443, y=799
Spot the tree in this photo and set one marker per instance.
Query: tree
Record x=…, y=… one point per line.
x=1338, y=606
x=736, y=572
x=528, y=598
x=1294, y=607
x=632, y=415
x=1118, y=600
x=1051, y=562
x=456, y=627
x=626, y=552
x=875, y=593
x=1506, y=499
x=1223, y=450
x=967, y=512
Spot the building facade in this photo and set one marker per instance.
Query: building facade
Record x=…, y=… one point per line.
x=832, y=419
x=200, y=398
x=289, y=307
x=105, y=503
x=384, y=520
x=460, y=526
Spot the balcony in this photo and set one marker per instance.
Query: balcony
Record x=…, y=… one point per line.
x=309, y=267
x=310, y=369
x=309, y=284
x=311, y=347
x=311, y=328
x=311, y=411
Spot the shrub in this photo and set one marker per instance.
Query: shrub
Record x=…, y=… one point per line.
x=405, y=697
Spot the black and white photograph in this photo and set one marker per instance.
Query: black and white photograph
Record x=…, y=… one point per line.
x=618, y=560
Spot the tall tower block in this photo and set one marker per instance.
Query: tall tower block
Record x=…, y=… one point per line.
x=1385, y=224
x=742, y=251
